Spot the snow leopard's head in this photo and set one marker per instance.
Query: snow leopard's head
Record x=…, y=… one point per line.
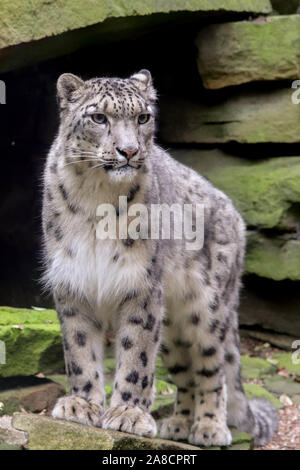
x=107, y=124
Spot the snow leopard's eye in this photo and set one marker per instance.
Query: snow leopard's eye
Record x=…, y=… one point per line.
x=143, y=118
x=99, y=118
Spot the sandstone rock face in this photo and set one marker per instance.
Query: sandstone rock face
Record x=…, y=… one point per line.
x=56, y=28
x=245, y=51
x=243, y=116
x=32, y=340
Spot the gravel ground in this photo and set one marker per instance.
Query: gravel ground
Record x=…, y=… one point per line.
x=288, y=434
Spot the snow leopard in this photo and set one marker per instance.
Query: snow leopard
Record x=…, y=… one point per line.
x=158, y=296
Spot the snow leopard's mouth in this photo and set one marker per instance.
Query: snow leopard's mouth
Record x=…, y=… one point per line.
x=123, y=168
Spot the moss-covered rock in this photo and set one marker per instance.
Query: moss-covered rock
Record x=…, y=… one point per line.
x=273, y=258
x=267, y=193
x=55, y=28
x=25, y=316
x=256, y=367
x=244, y=51
x=247, y=116
x=48, y=434
x=280, y=385
x=256, y=391
x=291, y=361
x=32, y=341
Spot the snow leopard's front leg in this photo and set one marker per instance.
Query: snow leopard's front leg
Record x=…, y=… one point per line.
x=137, y=344
x=82, y=340
x=210, y=421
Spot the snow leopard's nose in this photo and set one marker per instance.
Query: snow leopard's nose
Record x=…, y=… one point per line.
x=128, y=152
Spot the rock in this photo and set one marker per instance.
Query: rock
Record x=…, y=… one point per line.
x=9, y=447
x=282, y=385
x=267, y=193
x=272, y=305
x=25, y=316
x=37, y=396
x=247, y=116
x=279, y=340
x=44, y=398
x=290, y=361
x=45, y=433
x=276, y=259
x=241, y=440
x=285, y=7
x=10, y=438
x=246, y=51
x=255, y=367
x=256, y=391
x=32, y=340
x=48, y=29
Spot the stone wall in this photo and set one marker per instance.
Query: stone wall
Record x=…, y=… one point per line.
x=224, y=72
x=242, y=131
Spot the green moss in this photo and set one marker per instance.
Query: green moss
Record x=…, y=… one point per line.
x=262, y=191
x=67, y=25
x=255, y=367
x=40, y=18
x=276, y=259
x=24, y=316
x=109, y=365
x=11, y=404
x=279, y=385
x=162, y=386
x=287, y=360
x=256, y=391
x=33, y=349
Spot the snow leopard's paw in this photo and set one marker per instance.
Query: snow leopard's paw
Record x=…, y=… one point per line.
x=79, y=410
x=204, y=433
x=176, y=428
x=129, y=419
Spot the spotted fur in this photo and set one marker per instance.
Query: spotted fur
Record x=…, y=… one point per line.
x=154, y=293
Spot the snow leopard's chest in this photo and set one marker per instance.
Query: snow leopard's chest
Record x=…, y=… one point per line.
x=102, y=270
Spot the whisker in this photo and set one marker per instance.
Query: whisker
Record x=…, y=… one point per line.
x=79, y=161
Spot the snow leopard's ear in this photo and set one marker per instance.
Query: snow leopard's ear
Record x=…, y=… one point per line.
x=143, y=81
x=68, y=87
